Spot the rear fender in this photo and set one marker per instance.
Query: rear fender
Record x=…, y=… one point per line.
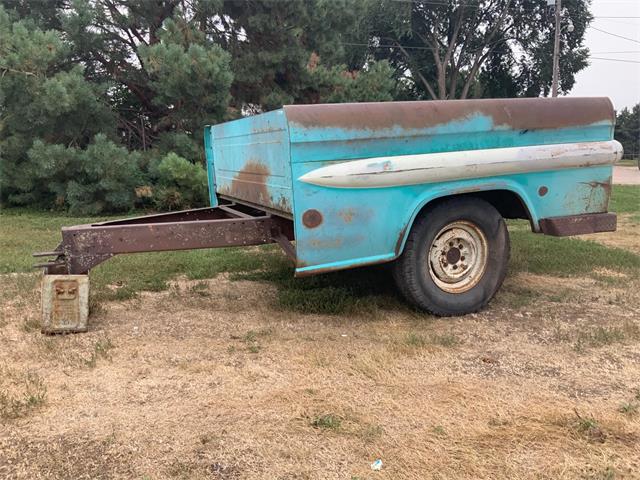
x=443, y=191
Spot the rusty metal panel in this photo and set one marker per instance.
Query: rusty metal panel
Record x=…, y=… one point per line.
x=508, y=113
x=579, y=224
x=65, y=303
x=250, y=160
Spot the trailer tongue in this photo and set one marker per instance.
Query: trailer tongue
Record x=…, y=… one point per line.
x=231, y=225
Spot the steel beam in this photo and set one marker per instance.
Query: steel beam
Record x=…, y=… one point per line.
x=85, y=246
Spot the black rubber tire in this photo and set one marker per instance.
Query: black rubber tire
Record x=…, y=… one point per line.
x=411, y=271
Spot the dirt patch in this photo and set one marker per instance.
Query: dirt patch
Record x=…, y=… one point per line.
x=627, y=235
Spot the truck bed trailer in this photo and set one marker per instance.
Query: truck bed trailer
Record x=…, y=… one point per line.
x=425, y=185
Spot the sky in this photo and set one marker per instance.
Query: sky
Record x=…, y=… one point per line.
x=619, y=81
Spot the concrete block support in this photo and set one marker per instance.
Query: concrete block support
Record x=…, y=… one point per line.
x=65, y=303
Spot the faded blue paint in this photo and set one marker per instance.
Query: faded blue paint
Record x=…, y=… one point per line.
x=381, y=217
x=252, y=160
x=211, y=176
x=366, y=225
x=370, y=225
x=473, y=133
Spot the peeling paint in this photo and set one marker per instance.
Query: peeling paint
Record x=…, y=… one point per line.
x=398, y=247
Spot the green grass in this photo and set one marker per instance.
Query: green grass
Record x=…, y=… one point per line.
x=361, y=290
x=601, y=336
x=626, y=199
x=629, y=408
x=417, y=340
x=571, y=256
x=23, y=232
x=102, y=350
x=596, y=336
x=252, y=339
x=328, y=421
x=628, y=162
x=365, y=291
x=565, y=256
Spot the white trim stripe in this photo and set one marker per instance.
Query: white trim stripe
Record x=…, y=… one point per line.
x=442, y=167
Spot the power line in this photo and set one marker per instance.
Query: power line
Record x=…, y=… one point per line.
x=615, y=60
x=409, y=47
x=620, y=51
x=618, y=22
x=614, y=34
x=416, y=47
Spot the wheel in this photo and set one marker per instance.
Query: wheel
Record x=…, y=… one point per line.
x=455, y=257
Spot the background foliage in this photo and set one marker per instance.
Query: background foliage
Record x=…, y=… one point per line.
x=628, y=131
x=103, y=102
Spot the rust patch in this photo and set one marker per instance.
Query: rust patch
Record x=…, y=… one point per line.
x=66, y=302
x=518, y=113
x=251, y=184
x=543, y=190
x=322, y=243
x=398, y=246
x=598, y=196
x=606, y=186
x=311, y=218
x=86, y=246
x=347, y=214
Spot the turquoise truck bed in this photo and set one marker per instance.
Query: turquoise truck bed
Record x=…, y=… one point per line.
x=353, y=177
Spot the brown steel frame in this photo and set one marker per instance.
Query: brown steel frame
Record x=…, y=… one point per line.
x=85, y=246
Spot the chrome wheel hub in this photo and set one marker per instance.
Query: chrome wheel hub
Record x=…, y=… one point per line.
x=458, y=257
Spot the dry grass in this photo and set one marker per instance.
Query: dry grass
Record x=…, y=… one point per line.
x=217, y=384
x=20, y=392
x=626, y=236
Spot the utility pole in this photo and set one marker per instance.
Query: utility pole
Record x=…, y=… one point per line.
x=556, y=50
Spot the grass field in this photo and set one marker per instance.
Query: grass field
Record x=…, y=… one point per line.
x=24, y=232
x=218, y=364
x=628, y=162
